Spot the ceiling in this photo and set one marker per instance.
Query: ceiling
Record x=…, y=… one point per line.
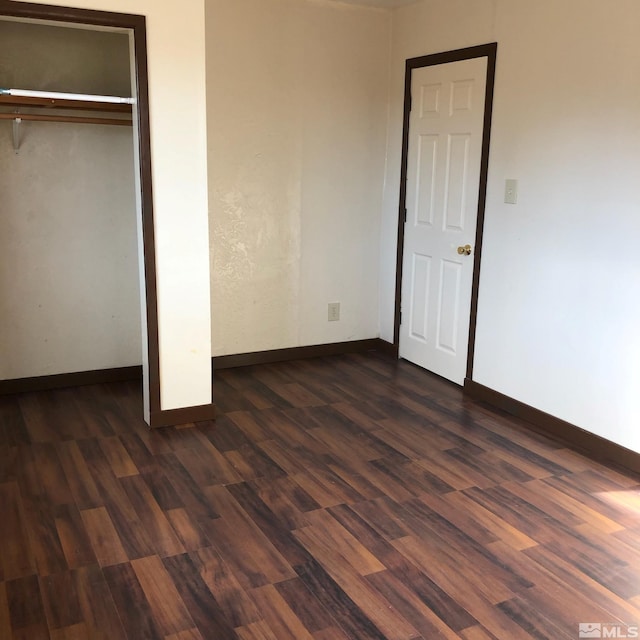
x=386, y=4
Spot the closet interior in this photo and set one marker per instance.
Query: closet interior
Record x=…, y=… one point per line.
x=69, y=264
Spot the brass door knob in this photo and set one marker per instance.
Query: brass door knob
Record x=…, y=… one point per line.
x=465, y=251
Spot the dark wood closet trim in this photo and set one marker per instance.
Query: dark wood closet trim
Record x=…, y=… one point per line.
x=189, y=415
x=137, y=24
x=64, y=380
x=300, y=353
x=38, y=117
x=589, y=444
x=481, y=51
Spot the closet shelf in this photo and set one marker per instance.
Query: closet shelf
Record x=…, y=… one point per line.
x=107, y=105
x=38, y=117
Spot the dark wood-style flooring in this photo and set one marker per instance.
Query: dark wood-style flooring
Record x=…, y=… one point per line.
x=345, y=497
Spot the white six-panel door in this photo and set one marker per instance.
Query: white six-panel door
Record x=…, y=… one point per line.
x=443, y=176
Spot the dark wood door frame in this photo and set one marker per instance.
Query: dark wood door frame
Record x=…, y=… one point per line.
x=137, y=24
x=489, y=51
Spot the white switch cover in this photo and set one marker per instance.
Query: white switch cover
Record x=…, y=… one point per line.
x=511, y=191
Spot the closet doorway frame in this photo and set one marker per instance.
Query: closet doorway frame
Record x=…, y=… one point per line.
x=135, y=24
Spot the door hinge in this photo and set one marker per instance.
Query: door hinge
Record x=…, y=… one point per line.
x=400, y=318
x=405, y=214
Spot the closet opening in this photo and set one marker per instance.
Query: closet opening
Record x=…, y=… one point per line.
x=77, y=252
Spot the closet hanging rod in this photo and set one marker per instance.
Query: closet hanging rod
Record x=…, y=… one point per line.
x=76, y=105
x=77, y=119
x=57, y=95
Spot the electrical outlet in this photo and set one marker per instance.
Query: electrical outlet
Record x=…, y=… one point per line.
x=334, y=311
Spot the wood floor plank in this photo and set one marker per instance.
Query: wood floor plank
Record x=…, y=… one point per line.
x=574, y=595
x=327, y=485
x=307, y=609
x=210, y=618
x=256, y=631
x=477, y=633
x=124, y=517
x=286, y=500
x=438, y=602
x=251, y=463
x=577, y=486
x=583, y=587
x=221, y=581
x=373, y=604
x=16, y=560
x=333, y=598
x=403, y=598
x=26, y=610
x=119, y=459
x=83, y=488
x=99, y=610
x=534, y=621
x=491, y=522
x=104, y=538
x=189, y=634
x=477, y=604
x=344, y=543
x=72, y=533
x=415, y=478
x=380, y=515
x=518, y=513
x=284, y=456
x=356, y=481
x=258, y=562
x=268, y=523
x=39, y=517
x=191, y=495
x=390, y=486
x=437, y=463
x=39, y=415
x=13, y=430
x=78, y=631
x=165, y=494
x=481, y=574
x=187, y=529
x=207, y=466
x=247, y=423
x=332, y=633
x=133, y=608
x=168, y=608
x=159, y=531
x=60, y=599
x=55, y=487
x=5, y=616
x=282, y=620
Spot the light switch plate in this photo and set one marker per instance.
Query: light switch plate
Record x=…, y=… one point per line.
x=511, y=191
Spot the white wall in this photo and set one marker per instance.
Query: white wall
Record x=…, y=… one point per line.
x=560, y=281
x=176, y=58
x=70, y=298
x=297, y=98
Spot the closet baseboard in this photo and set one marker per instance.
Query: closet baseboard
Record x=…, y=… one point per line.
x=188, y=415
x=301, y=353
x=64, y=380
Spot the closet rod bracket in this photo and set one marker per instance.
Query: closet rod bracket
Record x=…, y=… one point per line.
x=16, y=134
